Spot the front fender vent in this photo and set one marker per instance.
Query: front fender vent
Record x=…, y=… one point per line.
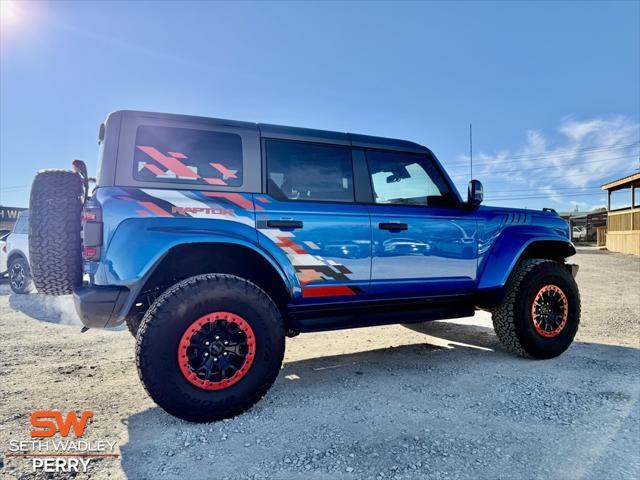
x=517, y=219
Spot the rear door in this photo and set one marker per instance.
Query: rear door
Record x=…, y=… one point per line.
x=310, y=213
x=424, y=241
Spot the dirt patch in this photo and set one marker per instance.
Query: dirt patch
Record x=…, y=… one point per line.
x=383, y=402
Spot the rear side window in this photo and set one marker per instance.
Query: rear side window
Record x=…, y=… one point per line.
x=182, y=155
x=307, y=171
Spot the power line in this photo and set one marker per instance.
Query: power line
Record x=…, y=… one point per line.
x=573, y=175
x=535, y=189
x=573, y=162
x=552, y=192
x=576, y=152
x=527, y=197
x=554, y=165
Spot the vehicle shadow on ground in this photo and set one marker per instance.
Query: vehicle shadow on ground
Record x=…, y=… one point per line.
x=368, y=404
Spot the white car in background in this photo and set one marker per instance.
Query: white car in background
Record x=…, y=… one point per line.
x=3, y=252
x=17, y=255
x=579, y=234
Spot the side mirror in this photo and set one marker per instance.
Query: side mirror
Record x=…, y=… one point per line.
x=475, y=193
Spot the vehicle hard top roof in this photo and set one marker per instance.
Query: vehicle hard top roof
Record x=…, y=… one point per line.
x=285, y=132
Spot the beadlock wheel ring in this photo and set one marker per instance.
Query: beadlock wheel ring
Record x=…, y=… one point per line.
x=216, y=351
x=549, y=311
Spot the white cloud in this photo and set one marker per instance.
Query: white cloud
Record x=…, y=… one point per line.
x=577, y=131
x=580, y=155
x=553, y=194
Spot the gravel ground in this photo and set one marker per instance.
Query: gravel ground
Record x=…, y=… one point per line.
x=379, y=403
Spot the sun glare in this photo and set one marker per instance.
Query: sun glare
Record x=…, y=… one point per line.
x=9, y=12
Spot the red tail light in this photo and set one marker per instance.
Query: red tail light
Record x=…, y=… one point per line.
x=91, y=231
x=89, y=216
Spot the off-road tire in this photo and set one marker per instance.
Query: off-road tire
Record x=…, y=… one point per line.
x=133, y=322
x=512, y=320
x=26, y=285
x=54, y=231
x=168, y=319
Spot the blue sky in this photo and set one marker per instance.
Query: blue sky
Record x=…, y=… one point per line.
x=552, y=88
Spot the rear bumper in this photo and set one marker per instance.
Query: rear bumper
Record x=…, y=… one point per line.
x=99, y=307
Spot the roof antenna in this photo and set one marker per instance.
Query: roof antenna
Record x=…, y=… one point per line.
x=471, y=151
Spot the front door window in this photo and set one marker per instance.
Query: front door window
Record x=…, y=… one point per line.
x=403, y=179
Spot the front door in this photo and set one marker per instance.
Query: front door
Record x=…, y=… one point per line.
x=309, y=213
x=424, y=241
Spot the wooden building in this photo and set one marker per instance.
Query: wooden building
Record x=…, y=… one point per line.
x=623, y=214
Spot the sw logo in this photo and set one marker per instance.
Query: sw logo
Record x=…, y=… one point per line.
x=50, y=454
x=49, y=422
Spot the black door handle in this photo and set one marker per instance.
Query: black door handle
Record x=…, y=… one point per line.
x=393, y=226
x=284, y=224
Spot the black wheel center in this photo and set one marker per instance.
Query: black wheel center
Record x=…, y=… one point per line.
x=217, y=350
x=550, y=310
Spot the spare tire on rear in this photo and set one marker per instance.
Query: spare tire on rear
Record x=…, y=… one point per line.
x=54, y=231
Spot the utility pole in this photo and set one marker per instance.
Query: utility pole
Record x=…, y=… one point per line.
x=471, y=151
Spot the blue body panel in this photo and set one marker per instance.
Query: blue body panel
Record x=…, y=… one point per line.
x=438, y=253
x=339, y=255
x=505, y=233
x=142, y=225
x=331, y=253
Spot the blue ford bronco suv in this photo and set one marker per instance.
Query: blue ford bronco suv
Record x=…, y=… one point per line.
x=213, y=240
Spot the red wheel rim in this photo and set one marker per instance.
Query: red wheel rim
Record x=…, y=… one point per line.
x=549, y=311
x=217, y=350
